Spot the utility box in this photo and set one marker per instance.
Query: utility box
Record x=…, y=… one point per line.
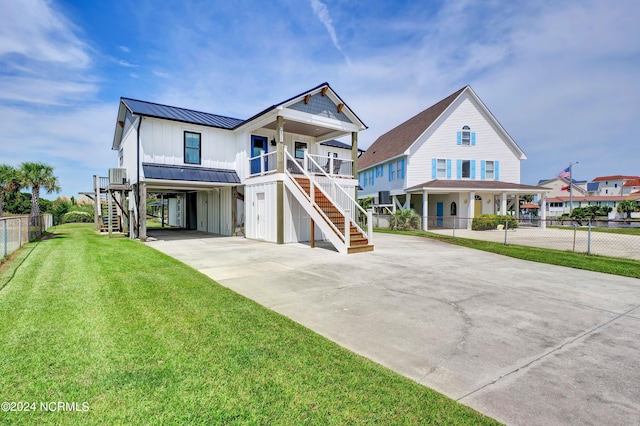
x=384, y=197
x=118, y=176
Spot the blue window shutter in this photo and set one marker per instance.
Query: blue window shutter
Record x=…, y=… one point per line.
x=434, y=165
x=496, y=170
x=448, y=169
x=401, y=169
x=373, y=177
x=459, y=169
x=473, y=169
x=473, y=138
x=459, y=138
x=483, y=169
x=390, y=165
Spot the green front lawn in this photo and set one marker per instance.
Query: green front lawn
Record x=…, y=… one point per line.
x=144, y=339
x=608, y=265
x=625, y=231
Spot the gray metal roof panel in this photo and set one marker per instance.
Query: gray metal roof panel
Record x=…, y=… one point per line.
x=189, y=173
x=337, y=144
x=150, y=109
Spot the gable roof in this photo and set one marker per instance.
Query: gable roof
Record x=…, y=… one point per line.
x=614, y=177
x=575, y=182
x=632, y=182
x=151, y=109
x=184, y=115
x=397, y=140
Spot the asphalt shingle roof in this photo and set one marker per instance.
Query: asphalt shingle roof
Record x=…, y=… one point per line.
x=398, y=139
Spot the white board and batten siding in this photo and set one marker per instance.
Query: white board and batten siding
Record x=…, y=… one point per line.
x=440, y=142
x=164, y=144
x=260, y=200
x=214, y=211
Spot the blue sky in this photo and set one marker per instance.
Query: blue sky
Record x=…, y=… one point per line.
x=562, y=77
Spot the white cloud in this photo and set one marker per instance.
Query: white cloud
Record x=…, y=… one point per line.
x=126, y=64
x=322, y=12
x=34, y=30
x=124, y=49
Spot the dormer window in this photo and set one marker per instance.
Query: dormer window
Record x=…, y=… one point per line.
x=466, y=135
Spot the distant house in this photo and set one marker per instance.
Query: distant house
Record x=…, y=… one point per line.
x=450, y=162
x=279, y=176
x=603, y=191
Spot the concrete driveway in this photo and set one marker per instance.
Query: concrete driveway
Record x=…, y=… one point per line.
x=522, y=342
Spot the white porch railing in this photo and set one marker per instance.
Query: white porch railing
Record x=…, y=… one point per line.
x=263, y=164
x=330, y=165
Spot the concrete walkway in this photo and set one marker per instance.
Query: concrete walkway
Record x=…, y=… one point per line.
x=522, y=342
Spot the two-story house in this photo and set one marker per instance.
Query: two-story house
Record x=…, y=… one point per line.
x=280, y=174
x=451, y=162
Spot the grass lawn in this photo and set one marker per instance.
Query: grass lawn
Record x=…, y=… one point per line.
x=144, y=339
x=625, y=231
x=608, y=265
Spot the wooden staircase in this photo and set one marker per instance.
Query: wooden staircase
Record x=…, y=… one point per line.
x=115, y=218
x=358, y=241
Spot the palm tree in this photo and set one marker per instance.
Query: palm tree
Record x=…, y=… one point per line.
x=38, y=175
x=8, y=182
x=626, y=207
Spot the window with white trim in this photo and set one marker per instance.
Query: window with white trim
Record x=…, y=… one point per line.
x=441, y=168
x=466, y=135
x=466, y=169
x=490, y=170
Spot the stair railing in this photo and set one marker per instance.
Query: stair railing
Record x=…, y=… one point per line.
x=291, y=161
x=340, y=196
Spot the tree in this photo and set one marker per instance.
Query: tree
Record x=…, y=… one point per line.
x=626, y=207
x=36, y=176
x=8, y=183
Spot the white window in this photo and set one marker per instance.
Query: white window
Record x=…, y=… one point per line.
x=489, y=172
x=441, y=169
x=466, y=135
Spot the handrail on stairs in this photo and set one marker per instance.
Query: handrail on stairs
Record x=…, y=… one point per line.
x=312, y=186
x=354, y=203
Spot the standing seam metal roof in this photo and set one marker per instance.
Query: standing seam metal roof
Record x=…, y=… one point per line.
x=150, y=109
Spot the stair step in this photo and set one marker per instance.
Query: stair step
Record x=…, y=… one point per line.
x=360, y=249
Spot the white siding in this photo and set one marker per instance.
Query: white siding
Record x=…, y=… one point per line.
x=214, y=211
x=441, y=142
x=128, y=147
x=250, y=207
x=163, y=143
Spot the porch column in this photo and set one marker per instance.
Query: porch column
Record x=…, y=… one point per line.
x=142, y=212
x=354, y=157
x=517, y=207
x=407, y=201
x=543, y=211
x=280, y=182
x=503, y=204
x=471, y=209
x=425, y=210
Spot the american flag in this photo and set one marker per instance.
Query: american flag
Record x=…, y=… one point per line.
x=564, y=174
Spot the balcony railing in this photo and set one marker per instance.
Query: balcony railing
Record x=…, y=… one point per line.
x=332, y=166
x=263, y=164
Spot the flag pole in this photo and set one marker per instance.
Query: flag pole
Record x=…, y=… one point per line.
x=571, y=186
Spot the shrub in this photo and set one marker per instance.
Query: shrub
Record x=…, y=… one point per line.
x=404, y=220
x=76, y=216
x=491, y=221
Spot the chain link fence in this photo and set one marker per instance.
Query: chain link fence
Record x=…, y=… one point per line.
x=15, y=231
x=615, y=238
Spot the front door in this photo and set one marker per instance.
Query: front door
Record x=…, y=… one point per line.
x=258, y=145
x=260, y=219
x=477, y=208
x=439, y=214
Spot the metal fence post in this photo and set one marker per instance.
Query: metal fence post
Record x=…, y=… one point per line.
x=5, y=237
x=589, y=239
x=506, y=227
